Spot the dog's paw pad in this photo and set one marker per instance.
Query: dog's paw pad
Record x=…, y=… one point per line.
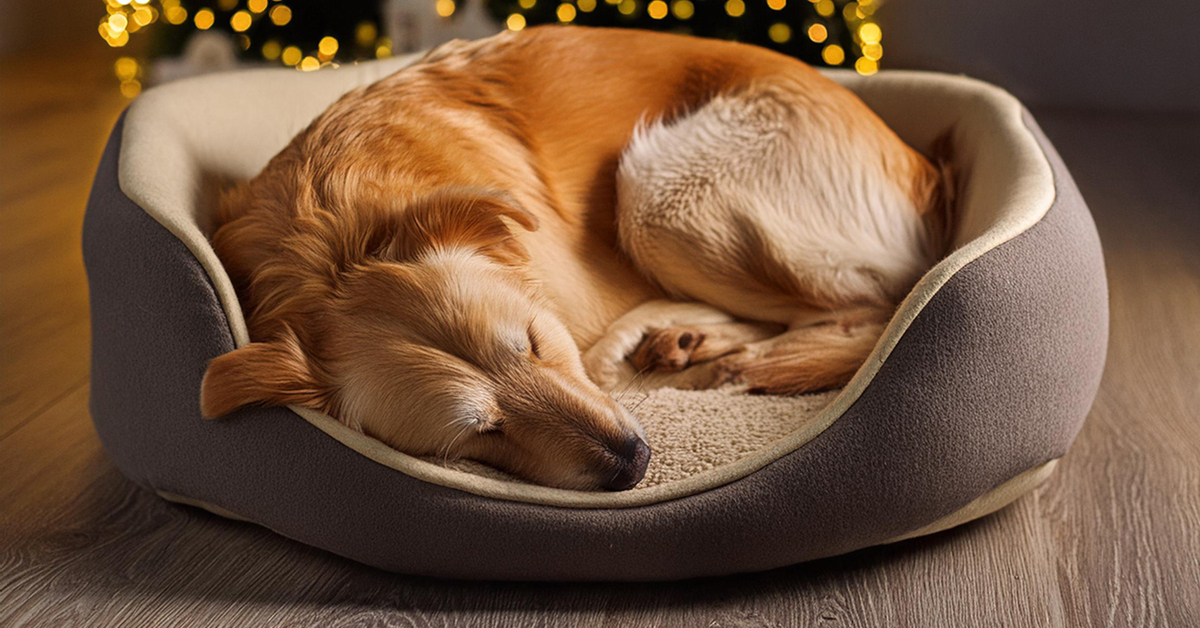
x=668, y=350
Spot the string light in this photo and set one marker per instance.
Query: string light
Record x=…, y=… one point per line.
x=683, y=9
x=870, y=33
x=777, y=5
x=735, y=8
x=175, y=15
x=627, y=7
x=280, y=15
x=865, y=66
x=527, y=4
x=308, y=64
x=204, y=19
x=565, y=13
x=365, y=34
x=833, y=54
x=257, y=6
x=779, y=33
x=291, y=55
x=824, y=8
x=445, y=8
x=271, y=50
x=240, y=21
x=326, y=48
x=384, y=49
x=657, y=9
x=515, y=22
x=818, y=33
x=873, y=52
x=587, y=6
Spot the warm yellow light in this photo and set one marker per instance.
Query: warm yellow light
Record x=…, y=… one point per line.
x=527, y=4
x=243, y=41
x=627, y=7
x=683, y=9
x=257, y=6
x=515, y=22
x=291, y=55
x=865, y=66
x=117, y=22
x=444, y=8
x=116, y=40
x=384, y=49
x=587, y=6
x=271, y=50
x=130, y=88
x=735, y=8
x=818, y=33
x=870, y=33
x=777, y=4
x=123, y=2
x=143, y=16
x=204, y=19
x=308, y=64
x=365, y=34
x=833, y=54
x=327, y=47
x=126, y=68
x=850, y=11
x=657, y=9
x=241, y=21
x=280, y=14
x=176, y=15
x=565, y=13
x=779, y=33
x=825, y=8
x=873, y=52
x=226, y=5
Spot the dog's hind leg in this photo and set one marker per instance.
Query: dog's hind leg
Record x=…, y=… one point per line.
x=660, y=337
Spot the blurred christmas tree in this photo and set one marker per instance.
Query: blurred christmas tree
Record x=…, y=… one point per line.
x=821, y=32
x=194, y=36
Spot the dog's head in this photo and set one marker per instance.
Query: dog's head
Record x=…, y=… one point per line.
x=433, y=341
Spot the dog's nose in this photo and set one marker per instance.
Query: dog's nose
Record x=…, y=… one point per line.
x=634, y=454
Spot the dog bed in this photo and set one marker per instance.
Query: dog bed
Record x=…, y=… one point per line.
x=976, y=389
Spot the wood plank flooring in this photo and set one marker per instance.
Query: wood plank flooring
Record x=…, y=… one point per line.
x=1112, y=539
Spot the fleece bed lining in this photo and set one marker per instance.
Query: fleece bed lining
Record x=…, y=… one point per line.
x=171, y=165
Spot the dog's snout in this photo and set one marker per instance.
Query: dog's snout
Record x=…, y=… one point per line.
x=634, y=457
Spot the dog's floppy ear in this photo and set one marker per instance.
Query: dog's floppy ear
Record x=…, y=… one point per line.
x=272, y=373
x=461, y=216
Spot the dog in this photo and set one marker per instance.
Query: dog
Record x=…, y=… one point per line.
x=464, y=258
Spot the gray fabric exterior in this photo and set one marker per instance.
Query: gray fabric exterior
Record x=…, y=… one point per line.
x=994, y=377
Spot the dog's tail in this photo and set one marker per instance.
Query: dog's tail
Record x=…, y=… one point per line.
x=816, y=358
x=941, y=194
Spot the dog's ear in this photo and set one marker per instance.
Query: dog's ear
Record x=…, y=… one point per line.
x=465, y=217
x=274, y=373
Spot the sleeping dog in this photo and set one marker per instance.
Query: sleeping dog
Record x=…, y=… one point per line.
x=465, y=257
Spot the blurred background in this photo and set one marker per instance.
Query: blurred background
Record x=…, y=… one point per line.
x=1114, y=54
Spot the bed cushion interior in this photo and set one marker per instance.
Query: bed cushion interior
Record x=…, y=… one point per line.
x=184, y=141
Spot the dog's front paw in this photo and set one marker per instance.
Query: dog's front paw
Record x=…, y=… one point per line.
x=667, y=350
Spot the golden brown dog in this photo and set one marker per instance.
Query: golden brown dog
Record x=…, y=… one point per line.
x=462, y=258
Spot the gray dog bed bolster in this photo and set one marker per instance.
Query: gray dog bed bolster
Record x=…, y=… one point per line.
x=977, y=388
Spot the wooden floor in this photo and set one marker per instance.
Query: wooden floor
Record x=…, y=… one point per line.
x=1113, y=539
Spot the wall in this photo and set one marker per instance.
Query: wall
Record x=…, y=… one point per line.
x=1097, y=54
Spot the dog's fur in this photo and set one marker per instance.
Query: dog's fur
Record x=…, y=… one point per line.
x=459, y=259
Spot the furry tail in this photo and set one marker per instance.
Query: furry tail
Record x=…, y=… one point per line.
x=942, y=194
x=812, y=359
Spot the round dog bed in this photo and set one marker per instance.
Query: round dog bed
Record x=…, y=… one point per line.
x=976, y=389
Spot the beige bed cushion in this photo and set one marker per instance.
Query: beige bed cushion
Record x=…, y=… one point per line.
x=182, y=141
